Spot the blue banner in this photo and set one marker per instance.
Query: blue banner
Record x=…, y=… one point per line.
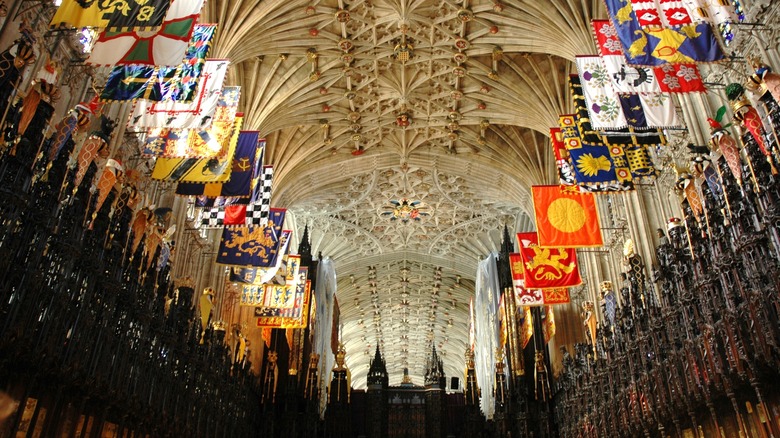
x=246, y=161
x=253, y=246
x=658, y=46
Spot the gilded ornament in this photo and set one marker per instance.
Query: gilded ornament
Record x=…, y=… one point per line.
x=465, y=15
x=342, y=16
x=403, y=52
x=345, y=45
x=591, y=166
x=566, y=215
x=552, y=267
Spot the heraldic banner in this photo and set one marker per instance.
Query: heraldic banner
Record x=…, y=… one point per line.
x=253, y=246
x=565, y=217
x=547, y=268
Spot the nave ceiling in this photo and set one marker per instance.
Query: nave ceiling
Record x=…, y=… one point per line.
x=406, y=134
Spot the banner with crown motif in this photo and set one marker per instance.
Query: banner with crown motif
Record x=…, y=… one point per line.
x=547, y=268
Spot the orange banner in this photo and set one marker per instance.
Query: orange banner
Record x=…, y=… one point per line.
x=566, y=218
x=556, y=296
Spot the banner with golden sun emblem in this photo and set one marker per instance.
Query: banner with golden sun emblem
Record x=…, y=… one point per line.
x=597, y=168
x=547, y=268
x=566, y=217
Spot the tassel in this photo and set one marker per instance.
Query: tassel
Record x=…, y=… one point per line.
x=29, y=108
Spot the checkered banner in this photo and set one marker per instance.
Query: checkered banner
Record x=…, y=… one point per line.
x=255, y=213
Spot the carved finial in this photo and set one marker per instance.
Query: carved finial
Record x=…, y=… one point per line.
x=341, y=355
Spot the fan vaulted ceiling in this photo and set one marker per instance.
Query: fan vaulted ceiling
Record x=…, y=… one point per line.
x=406, y=134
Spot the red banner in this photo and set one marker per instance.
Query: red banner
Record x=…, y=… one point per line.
x=547, y=268
x=523, y=296
x=679, y=78
x=606, y=38
x=533, y=297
